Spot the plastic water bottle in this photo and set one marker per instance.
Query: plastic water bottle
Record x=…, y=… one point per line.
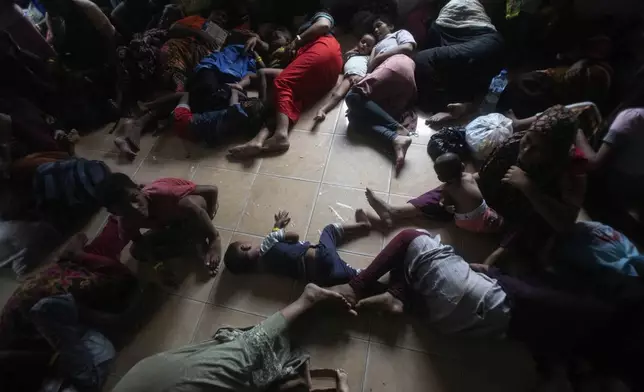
x=498, y=84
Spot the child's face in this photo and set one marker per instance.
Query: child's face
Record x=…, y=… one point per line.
x=366, y=44
x=381, y=29
x=250, y=250
x=135, y=205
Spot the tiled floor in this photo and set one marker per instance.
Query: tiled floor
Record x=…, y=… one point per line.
x=320, y=180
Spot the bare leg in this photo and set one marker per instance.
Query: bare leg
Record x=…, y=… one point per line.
x=454, y=112
x=382, y=302
x=388, y=213
x=264, y=75
x=360, y=228
x=311, y=296
x=279, y=141
x=401, y=145
x=251, y=148
x=338, y=94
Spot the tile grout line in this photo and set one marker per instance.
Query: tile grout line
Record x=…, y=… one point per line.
x=366, y=365
x=248, y=197
x=317, y=191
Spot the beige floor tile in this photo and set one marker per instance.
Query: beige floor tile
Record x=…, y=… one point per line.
x=307, y=123
x=356, y=261
x=335, y=353
x=358, y=164
x=305, y=159
x=397, y=369
x=234, y=188
x=424, y=131
x=418, y=176
x=218, y=156
x=95, y=225
x=172, y=147
x=215, y=317
x=343, y=122
x=406, y=332
x=270, y=194
x=172, y=326
x=196, y=283
x=97, y=140
x=153, y=169
x=115, y=162
x=257, y=294
x=337, y=205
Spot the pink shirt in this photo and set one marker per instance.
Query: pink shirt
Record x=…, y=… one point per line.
x=163, y=196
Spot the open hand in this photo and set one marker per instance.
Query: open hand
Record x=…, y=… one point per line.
x=282, y=219
x=251, y=43
x=517, y=178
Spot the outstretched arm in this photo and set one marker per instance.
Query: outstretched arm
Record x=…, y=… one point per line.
x=210, y=193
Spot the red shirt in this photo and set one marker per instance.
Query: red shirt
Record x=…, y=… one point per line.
x=163, y=196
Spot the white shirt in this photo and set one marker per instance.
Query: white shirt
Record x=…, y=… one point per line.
x=459, y=14
x=394, y=39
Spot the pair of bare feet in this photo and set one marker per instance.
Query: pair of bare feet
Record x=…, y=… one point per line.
x=123, y=143
x=277, y=143
x=384, y=302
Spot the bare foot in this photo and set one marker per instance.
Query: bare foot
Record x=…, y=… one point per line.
x=402, y=131
x=343, y=380
x=361, y=217
x=124, y=147
x=320, y=116
x=315, y=294
x=347, y=292
x=247, y=150
x=384, y=302
x=401, y=144
x=454, y=112
x=380, y=206
x=276, y=144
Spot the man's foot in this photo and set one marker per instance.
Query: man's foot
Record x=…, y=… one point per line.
x=454, y=112
x=314, y=294
x=347, y=292
x=276, y=144
x=124, y=147
x=361, y=217
x=382, y=302
x=401, y=145
x=402, y=131
x=380, y=206
x=342, y=379
x=320, y=116
x=247, y=150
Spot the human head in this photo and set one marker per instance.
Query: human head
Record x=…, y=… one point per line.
x=549, y=138
x=448, y=167
x=280, y=37
x=219, y=16
x=123, y=197
x=367, y=42
x=382, y=26
x=241, y=257
x=171, y=13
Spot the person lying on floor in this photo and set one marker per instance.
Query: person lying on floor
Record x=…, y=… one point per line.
x=355, y=68
x=211, y=127
x=471, y=299
x=178, y=212
x=282, y=253
x=251, y=359
x=380, y=104
x=50, y=325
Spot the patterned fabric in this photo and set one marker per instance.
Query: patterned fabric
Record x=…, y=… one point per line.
x=559, y=125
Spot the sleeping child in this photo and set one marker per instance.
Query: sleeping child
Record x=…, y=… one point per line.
x=463, y=198
x=282, y=253
x=355, y=68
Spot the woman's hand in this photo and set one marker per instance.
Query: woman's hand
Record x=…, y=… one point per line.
x=517, y=178
x=374, y=63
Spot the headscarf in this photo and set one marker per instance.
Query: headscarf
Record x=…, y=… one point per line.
x=559, y=125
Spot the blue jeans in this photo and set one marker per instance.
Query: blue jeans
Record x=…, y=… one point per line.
x=366, y=115
x=332, y=270
x=84, y=354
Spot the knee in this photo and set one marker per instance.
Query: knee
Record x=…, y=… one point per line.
x=352, y=99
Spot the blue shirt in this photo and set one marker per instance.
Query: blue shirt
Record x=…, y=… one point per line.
x=232, y=63
x=210, y=127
